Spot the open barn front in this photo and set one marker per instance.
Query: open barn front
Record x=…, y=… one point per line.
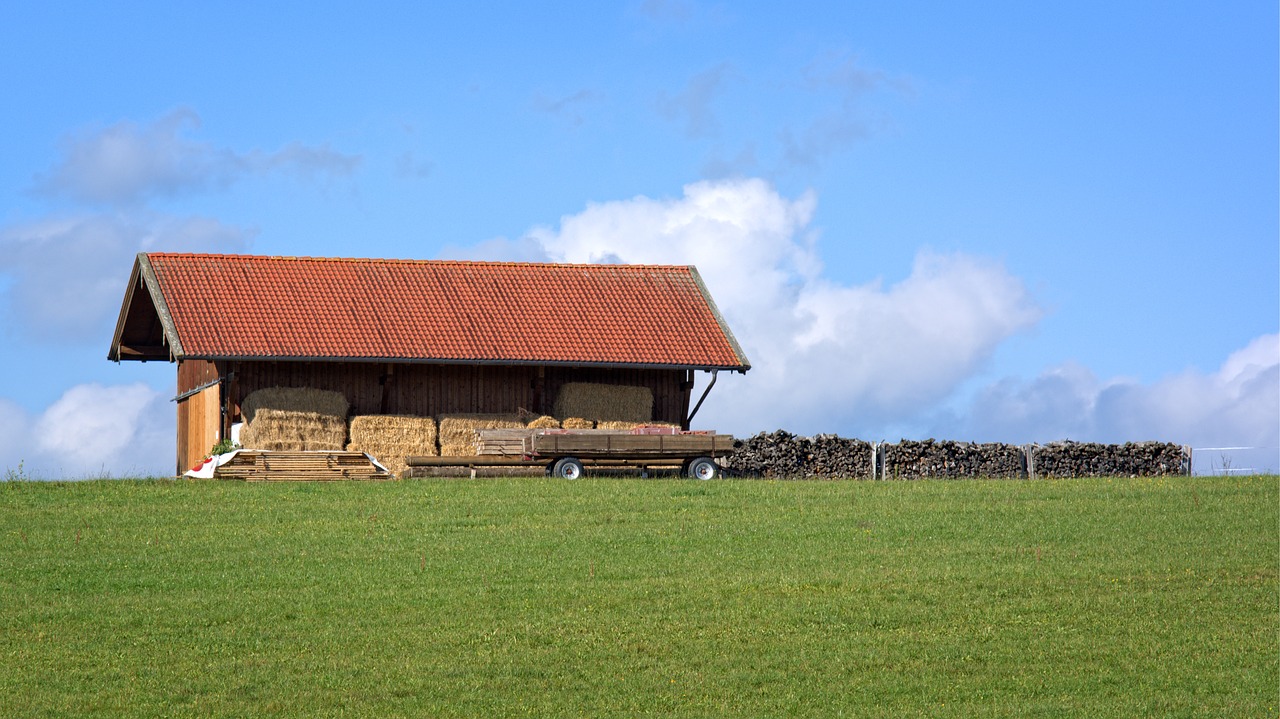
x=416, y=390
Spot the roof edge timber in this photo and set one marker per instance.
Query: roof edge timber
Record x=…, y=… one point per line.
x=162, y=306
x=724, y=326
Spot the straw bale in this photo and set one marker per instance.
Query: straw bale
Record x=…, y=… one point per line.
x=544, y=423
x=633, y=425
x=457, y=432
x=393, y=428
x=619, y=403
x=294, y=399
x=577, y=423
x=281, y=430
x=391, y=438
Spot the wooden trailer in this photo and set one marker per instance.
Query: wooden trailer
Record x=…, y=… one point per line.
x=566, y=452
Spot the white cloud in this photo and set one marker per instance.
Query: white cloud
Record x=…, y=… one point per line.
x=1237, y=405
x=826, y=356
x=91, y=431
x=127, y=163
x=68, y=274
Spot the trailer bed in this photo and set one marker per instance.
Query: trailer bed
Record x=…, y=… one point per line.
x=642, y=448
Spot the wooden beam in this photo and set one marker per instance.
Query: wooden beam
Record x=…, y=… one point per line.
x=143, y=352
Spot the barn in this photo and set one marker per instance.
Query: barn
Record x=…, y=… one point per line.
x=416, y=337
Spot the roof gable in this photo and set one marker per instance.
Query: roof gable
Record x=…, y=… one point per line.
x=248, y=307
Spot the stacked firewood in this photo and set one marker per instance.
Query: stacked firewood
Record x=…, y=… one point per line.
x=1090, y=459
x=781, y=454
x=930, y=458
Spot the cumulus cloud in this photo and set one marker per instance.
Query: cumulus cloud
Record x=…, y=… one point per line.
x=1236, y=405
x=67, y=274
x=128, y=163
x=826, y=356
x=92, y=430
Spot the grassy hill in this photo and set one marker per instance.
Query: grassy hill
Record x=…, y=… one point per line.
x=608, y=597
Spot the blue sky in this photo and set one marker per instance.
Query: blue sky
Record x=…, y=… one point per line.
x=1009, y=222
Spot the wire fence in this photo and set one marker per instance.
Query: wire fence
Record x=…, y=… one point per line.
x=1223, y=461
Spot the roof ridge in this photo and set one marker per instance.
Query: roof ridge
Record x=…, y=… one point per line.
x=409, y=261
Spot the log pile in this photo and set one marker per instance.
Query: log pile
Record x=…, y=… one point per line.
x=781, y=454
x=910, y=459
x=1089, y=459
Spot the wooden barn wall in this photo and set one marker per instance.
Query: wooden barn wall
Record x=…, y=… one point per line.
x=428, y=390
x=200, y=415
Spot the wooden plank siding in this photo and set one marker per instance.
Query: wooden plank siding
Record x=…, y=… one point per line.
x=200, y=423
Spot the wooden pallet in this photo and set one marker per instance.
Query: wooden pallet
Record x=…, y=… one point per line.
x=264, y=466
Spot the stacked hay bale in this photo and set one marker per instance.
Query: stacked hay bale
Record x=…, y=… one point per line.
x=544, y=422
x=458, y=432
x=391, y=438
x=607, y=402
x=609, y=424
x=294, y=419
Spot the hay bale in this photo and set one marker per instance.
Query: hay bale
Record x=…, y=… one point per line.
x=294, y=399
x=391, y=438
x=633, y=425
x=457, y=432
x=619, y=403
x=284, y=430
x=544, y=422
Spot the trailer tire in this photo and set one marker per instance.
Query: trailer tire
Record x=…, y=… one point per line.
x=703, y=468
x=567, y=468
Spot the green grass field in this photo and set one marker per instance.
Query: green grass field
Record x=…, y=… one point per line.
x=625, y=597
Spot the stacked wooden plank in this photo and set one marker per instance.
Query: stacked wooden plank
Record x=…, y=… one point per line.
x=265, y=466
x=503, y=442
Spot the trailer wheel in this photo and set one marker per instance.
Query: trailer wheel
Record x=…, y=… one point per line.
x=567, y=468
x=703, y=468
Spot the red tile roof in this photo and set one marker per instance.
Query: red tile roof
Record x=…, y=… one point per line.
x=437, y=311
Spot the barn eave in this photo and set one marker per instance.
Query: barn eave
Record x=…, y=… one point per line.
x=144, y=329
